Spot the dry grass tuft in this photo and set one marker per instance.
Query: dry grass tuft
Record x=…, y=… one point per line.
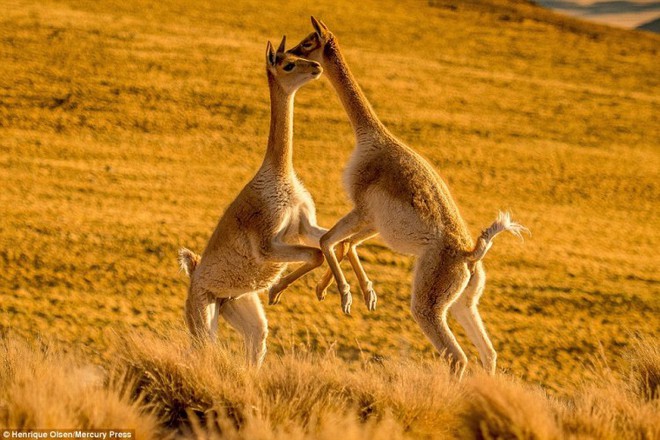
x=646, y=369
x=615, y=405
x=178, y=383
x=159, y=387
x=209, y=389
x=42, y=386
x=501, y=408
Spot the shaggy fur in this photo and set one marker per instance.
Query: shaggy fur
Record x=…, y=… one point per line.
x=261, y=231
x=397, y=194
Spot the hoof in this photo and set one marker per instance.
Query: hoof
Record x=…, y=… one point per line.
x=346, y=300
x=320, y=292
x=370, y=299
x=274, y=296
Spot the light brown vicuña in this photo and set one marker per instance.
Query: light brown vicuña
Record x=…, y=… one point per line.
x=271, y=222
x=398, y=195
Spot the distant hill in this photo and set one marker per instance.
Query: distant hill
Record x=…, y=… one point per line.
x=606, y=7
x=627, y=14
x=651, y=26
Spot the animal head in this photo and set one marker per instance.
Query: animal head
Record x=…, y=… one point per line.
x=312, y=46
x=289, y=70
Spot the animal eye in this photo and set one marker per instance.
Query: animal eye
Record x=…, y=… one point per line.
x=289, y=67
x=307, y=45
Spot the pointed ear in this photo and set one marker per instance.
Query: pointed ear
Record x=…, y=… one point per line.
x=282, y=45
x=320, y=29
x=325, y=28
x=270, y=55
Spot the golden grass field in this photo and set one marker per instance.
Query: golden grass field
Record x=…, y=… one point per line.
x=127, y=127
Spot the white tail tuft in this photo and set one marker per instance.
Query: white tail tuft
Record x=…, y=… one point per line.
x=503, y=223
x=188, y=260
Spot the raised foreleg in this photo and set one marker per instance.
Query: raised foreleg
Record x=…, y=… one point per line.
x=346, y=227
x=366, y=286
x=280, y=252
x=311, y=234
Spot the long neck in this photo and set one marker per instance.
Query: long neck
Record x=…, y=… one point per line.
x=359, y=111
x=279, y=154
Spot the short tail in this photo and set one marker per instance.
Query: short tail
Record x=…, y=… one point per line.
x=485, y=241
x=188, y=260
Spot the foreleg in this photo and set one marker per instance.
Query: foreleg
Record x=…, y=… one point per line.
x=366, y=286
x=345, y=228
x=288, y=253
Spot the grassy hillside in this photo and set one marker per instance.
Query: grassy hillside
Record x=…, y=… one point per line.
x=127, y=127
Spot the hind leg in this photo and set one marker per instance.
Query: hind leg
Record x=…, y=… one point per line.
x=437, y=284
x=201, y=315
x=246, y=315
x=466, y=313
